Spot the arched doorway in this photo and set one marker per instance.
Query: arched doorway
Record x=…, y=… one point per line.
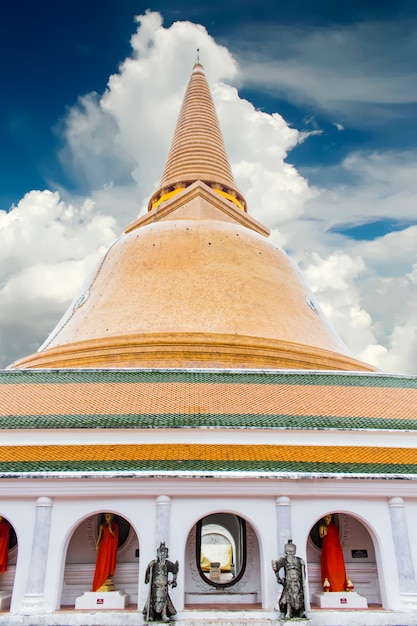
x=222, y=562
x=358, y=552
x=81, y=559
x=8, y=557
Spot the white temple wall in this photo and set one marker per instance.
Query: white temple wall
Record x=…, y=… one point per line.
x=21, y=515
x=74, y=503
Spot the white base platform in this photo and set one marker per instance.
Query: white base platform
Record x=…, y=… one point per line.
x=5, y=598
x=340, y=600
x=102, y=600
x=221, y=598
x=317, y=617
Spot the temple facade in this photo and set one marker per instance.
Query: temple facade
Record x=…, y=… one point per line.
x=195, y=390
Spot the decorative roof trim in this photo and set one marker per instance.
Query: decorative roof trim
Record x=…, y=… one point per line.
x=185, y=195
x=161, y=348
x=212, y=375
x=191, y=469
x=157, y=475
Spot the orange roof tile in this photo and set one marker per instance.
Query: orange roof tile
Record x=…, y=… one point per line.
x=201, y=452
x=208, y=398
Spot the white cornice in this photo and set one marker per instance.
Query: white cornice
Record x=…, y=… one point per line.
x=219, y=484
x=210, y=436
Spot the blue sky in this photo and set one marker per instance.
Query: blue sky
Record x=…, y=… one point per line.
x=334, y=177
x=51, y=55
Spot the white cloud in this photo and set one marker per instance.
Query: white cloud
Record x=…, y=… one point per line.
x=273, y=189
x=46, y=249
x=116, y=146
x=334, y=281
x=348, y=69
x=376, y=187
x=366, y=288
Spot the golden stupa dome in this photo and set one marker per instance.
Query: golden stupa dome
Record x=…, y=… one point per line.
x=195, y=282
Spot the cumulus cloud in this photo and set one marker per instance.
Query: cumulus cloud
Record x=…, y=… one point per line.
x=46, y=248
x=334, y=280
x=116, y=144
x=372, y=281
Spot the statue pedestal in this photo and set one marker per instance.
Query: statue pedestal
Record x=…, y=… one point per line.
x=340, y=600
x=102, y=600
x=5, y=598
x=215, y=573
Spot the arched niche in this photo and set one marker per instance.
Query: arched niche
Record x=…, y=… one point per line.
x=81, y=559
x=221, y=549
x=8, y=558
x=358, y=552
x=222, y=561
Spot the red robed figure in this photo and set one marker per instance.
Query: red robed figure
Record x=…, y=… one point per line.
x=107, y=551
x=332, y=561
x=4, y=544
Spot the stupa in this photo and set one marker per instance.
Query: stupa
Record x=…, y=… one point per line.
x=196, y=281
x=195, y=390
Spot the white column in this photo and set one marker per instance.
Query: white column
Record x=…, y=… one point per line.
x=406, y=576
x=34, y=598
x=283, y=504
x=162, y=521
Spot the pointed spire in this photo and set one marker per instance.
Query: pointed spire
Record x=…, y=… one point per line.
x=197, y=149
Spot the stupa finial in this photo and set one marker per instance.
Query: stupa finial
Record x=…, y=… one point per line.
x=197, y=150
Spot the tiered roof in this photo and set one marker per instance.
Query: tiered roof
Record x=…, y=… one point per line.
x=226, y=348
x=208, y=422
